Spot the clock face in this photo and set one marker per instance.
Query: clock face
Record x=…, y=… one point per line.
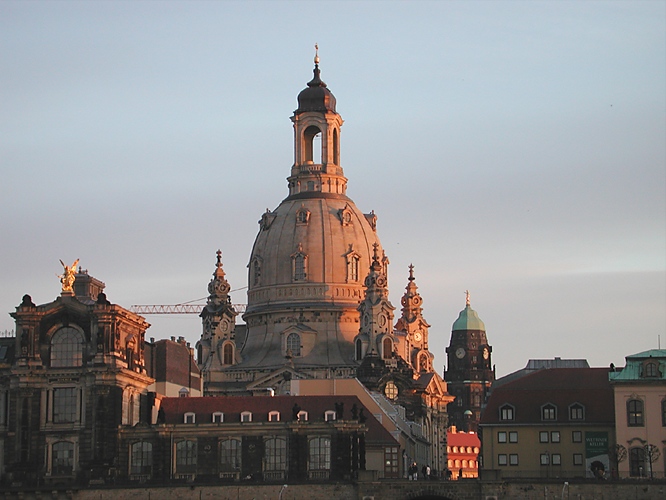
x=417, y=336
x=460, y=353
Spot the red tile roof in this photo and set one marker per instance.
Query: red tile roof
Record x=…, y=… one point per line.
x=558, y=386
x=463, y=439
x=232, y=406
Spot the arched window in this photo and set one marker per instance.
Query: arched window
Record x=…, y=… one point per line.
x=635, y=413
x=230, y=455
x=256, y=271
x=141, y=458
x=299, y=264
x=275, y=454
x=359, y=349
x=186, y=456
x=651, y=370
x=352, y=268
x=387, y=347
x=62, y=458
x=228, y=354
x=423, y=362
x=302, y=216
x=637, y=462
x=319, y=457
x=294, y=344
x=336, y=147
x=312, y=153
x=66, y=348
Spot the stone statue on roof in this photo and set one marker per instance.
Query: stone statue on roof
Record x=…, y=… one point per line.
x=67, y=277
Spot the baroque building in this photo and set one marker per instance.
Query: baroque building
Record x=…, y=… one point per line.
x=470, y=372
x=77, y=373
x=317, y=300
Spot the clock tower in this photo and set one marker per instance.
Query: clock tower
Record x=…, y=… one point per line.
x=469, y=372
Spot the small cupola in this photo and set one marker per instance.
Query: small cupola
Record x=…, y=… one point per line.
x=316, y=97
x=468, y=319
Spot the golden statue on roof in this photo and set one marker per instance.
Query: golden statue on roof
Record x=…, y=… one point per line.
x=67, y=277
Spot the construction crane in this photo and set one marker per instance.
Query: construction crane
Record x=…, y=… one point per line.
x=187, y=308
x=191, y=307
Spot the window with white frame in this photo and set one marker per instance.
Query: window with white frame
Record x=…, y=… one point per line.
x=329, y=415
x=576, y=412
x=273, y=416
x=218, y=417
x=246, y=416
x=302, y=416
x=506, y=412
x=189, y=418
x=548, y=412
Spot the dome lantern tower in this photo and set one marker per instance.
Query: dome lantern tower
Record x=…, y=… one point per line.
x=316, y=141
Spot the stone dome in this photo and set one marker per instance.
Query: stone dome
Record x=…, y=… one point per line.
x=468, y=319
x=311, y=255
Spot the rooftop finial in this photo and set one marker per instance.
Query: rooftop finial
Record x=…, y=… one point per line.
x=467, y=298
x=411, y=272
x=219, y=258
x=316, y=59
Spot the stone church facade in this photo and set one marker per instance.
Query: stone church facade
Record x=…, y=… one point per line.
x=317, y=302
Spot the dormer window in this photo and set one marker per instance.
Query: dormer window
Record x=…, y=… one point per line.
x=650, y=370
x=189, y=418
x=576, y=412
x=246, y=416
x=507, y=412
x=548, y=412
x=302, y=216
x=294, y=344
x=274, y=416
x=302, y=416
x=218, y=417
x=183, y=392
x=329, y=415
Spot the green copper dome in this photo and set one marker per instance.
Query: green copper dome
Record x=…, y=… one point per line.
x=468, y=320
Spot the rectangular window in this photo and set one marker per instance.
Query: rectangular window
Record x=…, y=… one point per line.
x=501, y=459
x=576, y=437
x=544, y=459
x=543, y=437
x=513, y=459
x=557, y=459
x=141, y=458
x=274, y=416
x=189, y=418
x=555, y=437
x=391, y=461
x=246, y=416
x=64, y=405
x=506, y=413
x=513, y=437
x=501, y=437
x=578, y=459
x=218, y=417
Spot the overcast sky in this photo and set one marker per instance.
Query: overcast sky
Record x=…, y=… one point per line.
x=515, y=149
